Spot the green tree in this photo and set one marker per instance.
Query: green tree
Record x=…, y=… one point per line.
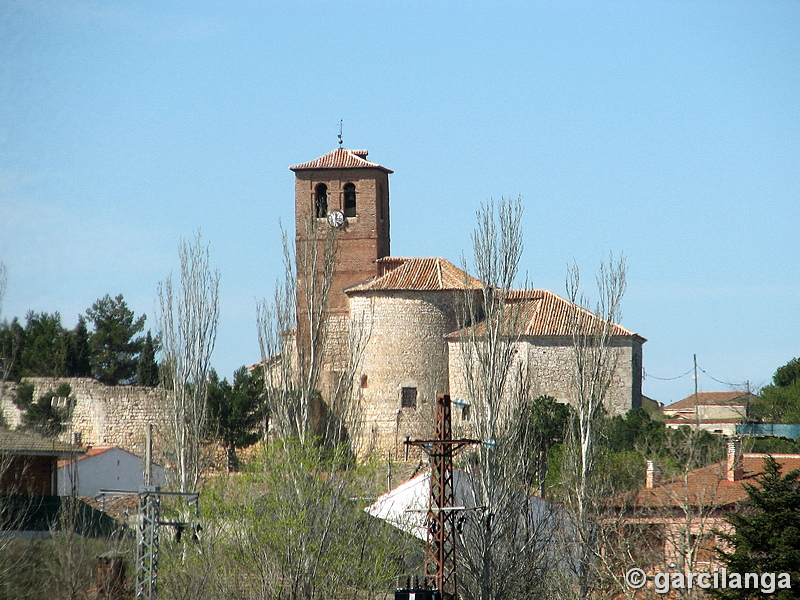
x=147, y=369
x=766, y=536
x=43, y=416
x=43, y=353
x=115, y=349
x=236, y=412
x=543, y=424
x=77, y=357
x=780, y=402
x=12, y=341
x=288, y=528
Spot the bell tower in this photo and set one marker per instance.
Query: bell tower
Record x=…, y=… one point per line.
x=344, y=192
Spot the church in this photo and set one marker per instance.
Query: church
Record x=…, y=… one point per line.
x=411, y=310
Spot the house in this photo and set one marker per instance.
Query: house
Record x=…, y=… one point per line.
x=29, y=502
x=407, y=314
x=540, y=526
x=28, y=463
x=104, y=468
x=674, y=523
x=717, y=412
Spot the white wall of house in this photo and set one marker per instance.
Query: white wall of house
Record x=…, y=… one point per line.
x=114, y=468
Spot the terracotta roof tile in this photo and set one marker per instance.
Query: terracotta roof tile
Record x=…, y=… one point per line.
x=543, y=313
x=707, y=486
x=341, y=158
x=704, y=398
x=90, y=451
x=417, y=274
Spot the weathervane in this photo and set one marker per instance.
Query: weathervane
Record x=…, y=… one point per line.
x=340, y=133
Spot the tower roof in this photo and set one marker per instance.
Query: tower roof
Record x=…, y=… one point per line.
x=341, y=158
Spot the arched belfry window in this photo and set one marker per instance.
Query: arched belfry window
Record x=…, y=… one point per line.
x=321, y=200
x=349, y=200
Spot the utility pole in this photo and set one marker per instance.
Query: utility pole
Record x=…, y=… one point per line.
x=147, y=532
x=440, y=550
x=147, y=544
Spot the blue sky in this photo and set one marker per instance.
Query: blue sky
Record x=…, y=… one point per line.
x=667, y=131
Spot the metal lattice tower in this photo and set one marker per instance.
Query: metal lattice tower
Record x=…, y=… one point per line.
x=440, y=551
x=147, y=545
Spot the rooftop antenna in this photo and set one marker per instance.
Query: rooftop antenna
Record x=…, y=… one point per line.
x=340, y=133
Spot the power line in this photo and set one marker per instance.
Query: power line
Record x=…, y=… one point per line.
x=646, y=374
x=733, y=385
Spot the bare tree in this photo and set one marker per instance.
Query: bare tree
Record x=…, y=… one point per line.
x=3, y=283
x=503, y=546
x=9, y=348
x=298, y=348
x=596, y=358
x=188, y=331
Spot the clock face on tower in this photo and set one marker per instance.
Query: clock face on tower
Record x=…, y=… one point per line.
x=336, y=218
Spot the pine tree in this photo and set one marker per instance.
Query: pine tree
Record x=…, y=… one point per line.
x=766, y=536
x=236, y=412
x=43, y=416
x=147, y=369
x=12, y=342
x=115, y=351
x=43, y=352
x=81, y=360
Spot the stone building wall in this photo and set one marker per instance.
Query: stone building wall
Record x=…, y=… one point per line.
x=549, y=363
x=406, y=349
x=101, y=414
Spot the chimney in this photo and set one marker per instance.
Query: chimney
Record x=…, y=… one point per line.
x=653, y=474
x=735, y=465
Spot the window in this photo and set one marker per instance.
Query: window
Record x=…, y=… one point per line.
x=349, y=200
x=363, y=381
x=408, y=397
x=465, y=413
x=321, y=200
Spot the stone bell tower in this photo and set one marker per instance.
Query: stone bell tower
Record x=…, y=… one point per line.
x=343, y=192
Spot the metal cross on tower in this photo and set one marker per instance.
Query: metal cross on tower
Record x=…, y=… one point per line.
x=440, y=551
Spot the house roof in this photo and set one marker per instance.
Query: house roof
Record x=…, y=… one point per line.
x=90, y=451
x=406, y=506
x=417, y=274
x=341, y=158
x=17, y=443
x=706, y=398
x=707, y=486
x=543, y=313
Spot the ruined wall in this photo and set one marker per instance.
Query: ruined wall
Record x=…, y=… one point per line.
x=406, y=349
x=101, y=414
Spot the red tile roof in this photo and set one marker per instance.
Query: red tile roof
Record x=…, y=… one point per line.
x=90, y=451
x=705, y=398
x=341, y=158
x=417, y=274
x=707, y=486
x=543, y=313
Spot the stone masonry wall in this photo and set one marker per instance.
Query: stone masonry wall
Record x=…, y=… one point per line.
x=406, y=349
x=550, y=364
x=101, y=414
